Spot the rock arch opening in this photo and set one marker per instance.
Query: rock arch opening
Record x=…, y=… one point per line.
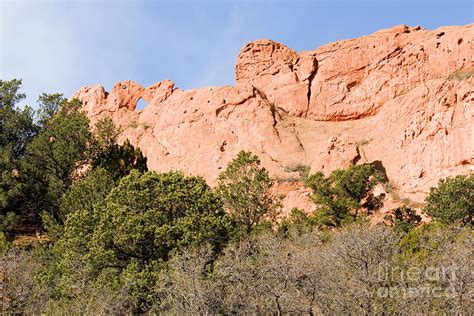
x=141, y=104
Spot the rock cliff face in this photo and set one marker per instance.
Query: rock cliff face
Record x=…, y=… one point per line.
x=400, y=98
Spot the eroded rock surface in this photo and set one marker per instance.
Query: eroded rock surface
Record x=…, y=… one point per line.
x=283, y=75
x=401, y=99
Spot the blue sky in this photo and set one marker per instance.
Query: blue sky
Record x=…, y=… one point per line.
x=60, y=46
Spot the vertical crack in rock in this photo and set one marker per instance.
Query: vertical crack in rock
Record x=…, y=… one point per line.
x=310, y=82
x=357, y=157
x=273, y=110
x=297, y=136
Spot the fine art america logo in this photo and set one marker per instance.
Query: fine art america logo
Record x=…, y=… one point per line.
x=434, y=282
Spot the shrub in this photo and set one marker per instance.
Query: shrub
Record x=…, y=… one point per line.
x=341, y=196
x=303, y=171
x=405, y=218
x=298, y=223
x=117, y=159
x=21, y=291
x=442, y=258
x=129, y=237
x=453, y=200
x=4, y=244
x=244, y=188
x=462, y=74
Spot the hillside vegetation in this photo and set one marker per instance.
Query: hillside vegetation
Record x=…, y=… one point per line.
x=87, y=229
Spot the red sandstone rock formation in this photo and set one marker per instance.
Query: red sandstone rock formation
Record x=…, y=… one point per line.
x=400, y=98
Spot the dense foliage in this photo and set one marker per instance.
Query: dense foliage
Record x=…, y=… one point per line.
x=453, y=200
x=116, y=238
x=244, y=187
x=44, y=151
x=345, y=194
x=124, y=238
x=118, y=160
x=361, y=270
x=17, y=129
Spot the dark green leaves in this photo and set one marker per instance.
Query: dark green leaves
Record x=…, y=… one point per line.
x=453, y=200
x=341, y=196
x=244, y=187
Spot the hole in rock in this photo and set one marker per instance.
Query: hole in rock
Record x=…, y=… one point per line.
x=351, y=85
x=141, y=104
x=223, y=146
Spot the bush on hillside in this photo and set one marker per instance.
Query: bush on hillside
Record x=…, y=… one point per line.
x=244, y=188
x=452, y=200
x=345, y=194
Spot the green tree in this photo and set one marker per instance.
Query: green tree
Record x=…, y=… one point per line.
x=127, y=238
x=9, y=93
x=55, y=154
x=244, y=187
x=117, y=159
x=148, y=215
x=81, y=198
x=105, y=135
x=49, y=105
x=120, y=160
x=79, y=207
x=17, y=129
x=85, y=193
x=344, y=194
x=453, y=200
x=39, y=161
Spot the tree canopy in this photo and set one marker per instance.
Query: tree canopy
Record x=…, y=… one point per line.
x=143, y=219
x=244, y=187
x=43, y=152
x=452, y=200
x=342, y=196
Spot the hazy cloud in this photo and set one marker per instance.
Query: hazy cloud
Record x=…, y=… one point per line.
x=60, y=46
